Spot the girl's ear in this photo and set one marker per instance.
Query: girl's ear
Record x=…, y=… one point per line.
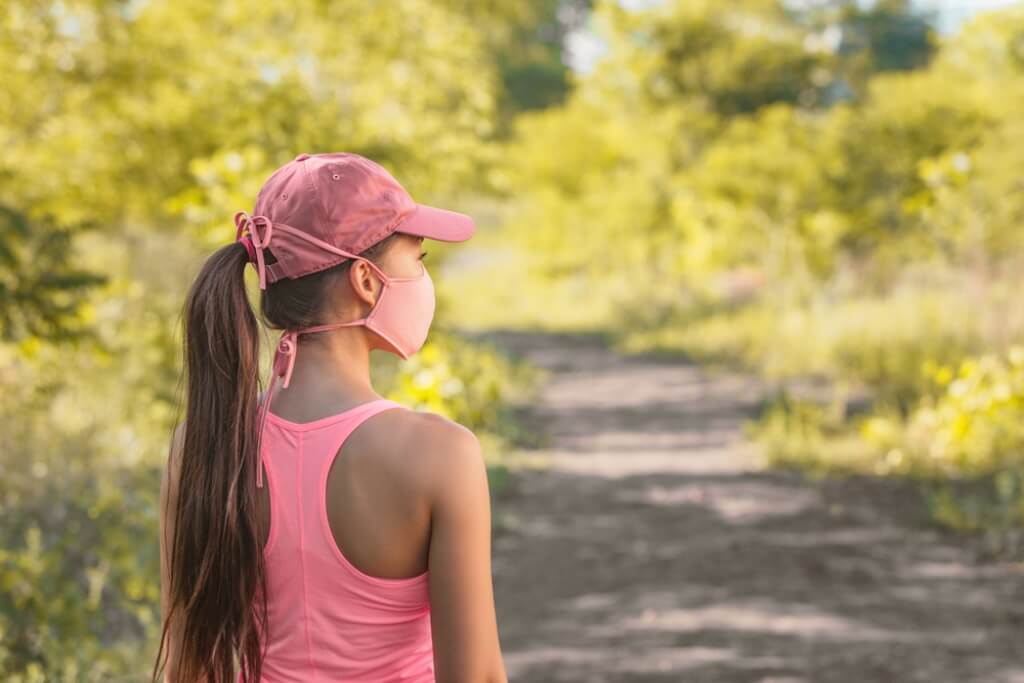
x=364, y=281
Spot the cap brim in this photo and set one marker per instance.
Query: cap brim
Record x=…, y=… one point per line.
x=438, y=224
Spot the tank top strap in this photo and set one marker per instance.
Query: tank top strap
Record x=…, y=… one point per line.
x=328, y=440
x=339, y=431
x=371, y=408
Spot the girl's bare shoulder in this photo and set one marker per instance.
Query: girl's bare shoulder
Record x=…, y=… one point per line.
x=430, y=446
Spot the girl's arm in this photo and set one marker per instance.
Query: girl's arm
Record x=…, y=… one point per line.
x=463, y=623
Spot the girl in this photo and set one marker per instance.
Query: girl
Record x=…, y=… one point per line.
x=319, y=532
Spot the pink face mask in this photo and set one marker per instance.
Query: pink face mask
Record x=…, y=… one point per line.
x=403, y=311
x=401, y=316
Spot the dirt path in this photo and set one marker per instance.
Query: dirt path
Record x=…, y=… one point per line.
x=653, y=548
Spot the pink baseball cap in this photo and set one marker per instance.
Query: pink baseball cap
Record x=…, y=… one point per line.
x=320, y=209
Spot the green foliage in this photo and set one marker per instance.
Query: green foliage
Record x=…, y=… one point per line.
x=965, y=431
x=964, y=441
x=876, y=343
x=973, y=424
x=41, y=291
x=659, y=159
x=77, y=553
x=890, y=37
x=733, y=58
x=992, y=506
x=803, y=434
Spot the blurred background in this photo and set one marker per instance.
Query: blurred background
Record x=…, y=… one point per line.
x=823, y=197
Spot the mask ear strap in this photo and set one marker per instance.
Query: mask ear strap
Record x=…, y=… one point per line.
x=385, y=278
x=284, y=357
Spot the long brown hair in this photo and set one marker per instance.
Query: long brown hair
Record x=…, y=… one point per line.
x=216, y=567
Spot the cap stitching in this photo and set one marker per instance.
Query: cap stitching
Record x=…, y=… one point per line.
x=321, y=200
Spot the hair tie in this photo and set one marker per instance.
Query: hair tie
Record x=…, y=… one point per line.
x=247, y=243
x=254, y=242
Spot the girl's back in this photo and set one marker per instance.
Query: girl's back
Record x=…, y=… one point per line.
x=346, y=481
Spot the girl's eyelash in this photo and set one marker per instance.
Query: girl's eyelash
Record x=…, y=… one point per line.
x=423, y=255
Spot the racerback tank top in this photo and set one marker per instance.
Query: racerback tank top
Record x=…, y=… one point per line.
x=327, y=620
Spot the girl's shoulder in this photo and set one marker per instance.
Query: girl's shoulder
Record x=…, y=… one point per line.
x=430, y=446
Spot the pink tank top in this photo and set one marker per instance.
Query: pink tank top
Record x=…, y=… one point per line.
x=328, y=621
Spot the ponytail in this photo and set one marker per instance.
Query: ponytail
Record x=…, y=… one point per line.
x=215, y=558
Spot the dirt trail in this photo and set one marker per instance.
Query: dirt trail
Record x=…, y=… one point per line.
x=653, y=548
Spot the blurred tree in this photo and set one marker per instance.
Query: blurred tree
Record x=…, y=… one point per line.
x=891, y=34
x=733, y=57
x=41, y=293
x=526, y=39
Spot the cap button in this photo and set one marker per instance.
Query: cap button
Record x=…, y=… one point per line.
x=302, y=157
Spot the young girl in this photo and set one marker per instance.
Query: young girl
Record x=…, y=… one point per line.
x=318, y=532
